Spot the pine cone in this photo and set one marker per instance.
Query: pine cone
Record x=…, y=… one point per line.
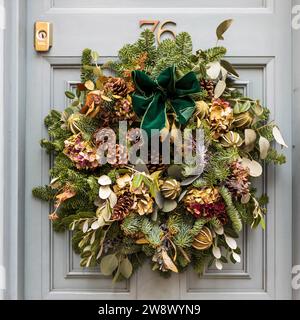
x=156, y=164
x=116, y=86
x=123, y=111
x=238, y=181
x=209, y=87
x=106, y=117
x=119, y=158
x=123, y=206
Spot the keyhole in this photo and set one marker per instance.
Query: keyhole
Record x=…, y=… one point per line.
x=42, y=35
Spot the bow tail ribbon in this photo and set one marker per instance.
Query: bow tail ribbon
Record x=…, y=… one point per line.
x=152, y=111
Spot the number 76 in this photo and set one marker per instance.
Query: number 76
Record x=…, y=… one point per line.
x=159, y=27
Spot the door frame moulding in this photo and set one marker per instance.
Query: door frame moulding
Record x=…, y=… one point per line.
x=14, y=146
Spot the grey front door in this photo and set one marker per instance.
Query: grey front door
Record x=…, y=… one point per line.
x=259, y=45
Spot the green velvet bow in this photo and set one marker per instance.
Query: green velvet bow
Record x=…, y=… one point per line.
x=154, y=96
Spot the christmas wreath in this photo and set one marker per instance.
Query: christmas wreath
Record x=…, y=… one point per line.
x=121, y=212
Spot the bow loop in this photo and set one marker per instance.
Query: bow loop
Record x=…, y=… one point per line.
x=153, y=97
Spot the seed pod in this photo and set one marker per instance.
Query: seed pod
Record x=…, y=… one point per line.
x=171, y=189
x=231, y=139
x=203, y=239
x=244, y=119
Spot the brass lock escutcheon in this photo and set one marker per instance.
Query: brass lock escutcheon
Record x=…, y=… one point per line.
x=43, y=36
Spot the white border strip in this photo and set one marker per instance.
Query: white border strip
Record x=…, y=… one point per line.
x=267, y=8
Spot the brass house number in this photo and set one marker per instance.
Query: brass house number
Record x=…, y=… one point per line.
x=159, y=27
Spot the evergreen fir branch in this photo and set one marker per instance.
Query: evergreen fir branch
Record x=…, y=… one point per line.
x=174, y=223
x=167, y=55
x=86, y=60
x=231, y=210
x=113, y=231
x=149, y=251
x=76, y=238
x=129, y=246
x=217, y=169
x=151, y=231
x=275, y=157
x=198, y=225
x=52, y=146
x=52, y=118
x=215, y=223
x=212, y=54
x=61, y=163
x=200, y=261
x=184, y=238
x=131, y=224
x=87, y=126
x=245, y=213
x=146, y=44
x=45, y=193
x=137, y=260
x=182, y=261
x=184, y=44
x=67, y=220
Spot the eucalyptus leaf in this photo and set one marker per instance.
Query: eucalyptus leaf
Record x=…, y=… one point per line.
x=95, y=225
x=159, y=199
x=154, y=214
x=278, y=137
x=75, y=103
x=182, y=195
x=257, y=108
x=113, y=199
x=83, y=262
x=108, y=264
x=216, y=252
x=264, y=146
x=175, y=171
x=238, y=250
x=230, y=242
x=222, y=28
x=104, y=192
x=189, y=180
x=229, y=67
x=89, y=85
x=97, y=72
x=218, y=264
x=104, y=180
x=169, y=205
x=219, y=89
x=137, y=180
x=236, y=257
x=236, y=108
x=214, y=69
x=95, y=56
x=70, y=95
x=126, y=268
x=250, y=137
x=255, y=168
x=85, y=226
x=223, y=259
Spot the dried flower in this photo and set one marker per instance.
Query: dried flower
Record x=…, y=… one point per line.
x=220, y=117
x=81, y=152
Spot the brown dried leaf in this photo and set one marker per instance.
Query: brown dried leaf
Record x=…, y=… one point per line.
x=168, y=261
